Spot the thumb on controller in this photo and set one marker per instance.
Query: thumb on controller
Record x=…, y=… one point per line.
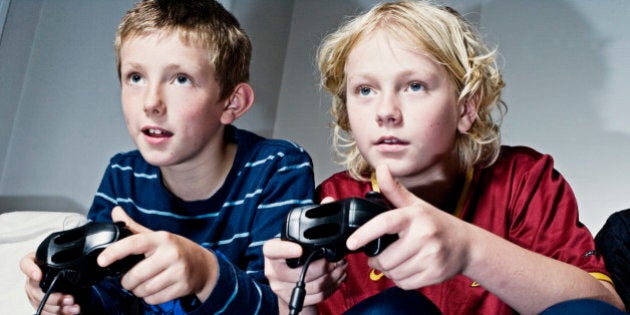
x=392, y=189
x=119, y=214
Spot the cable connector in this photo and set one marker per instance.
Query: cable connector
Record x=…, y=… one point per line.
x=299, y=292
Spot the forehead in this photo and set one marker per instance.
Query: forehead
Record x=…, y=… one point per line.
x=382, y=51
x=171, y=43
x=162, y=51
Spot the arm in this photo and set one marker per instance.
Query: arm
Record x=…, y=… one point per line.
x=536, y=281
x=442, y=246
x=287, y=183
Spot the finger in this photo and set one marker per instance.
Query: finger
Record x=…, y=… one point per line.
x=323, y=270
x=155, y=288
x=119, y=214
x=327, y=200
x=393, y=190
x=55, y=303
x=51, y=309
x=276, y=249
x=72, y=309
x=396, y=267
x=389, y=222
x=33, y=292
x=132, y=245
x=147, y=270
x=166, y=294
x=30, y=268
x=323, y=287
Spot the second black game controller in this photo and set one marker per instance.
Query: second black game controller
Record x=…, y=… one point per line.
x=326, y=227
x=71, y=255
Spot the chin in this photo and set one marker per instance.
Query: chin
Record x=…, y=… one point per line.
x=401, y=170
x=157, y=158
x=401, y=174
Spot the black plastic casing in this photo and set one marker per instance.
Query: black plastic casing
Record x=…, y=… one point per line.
x=74, y=253
x=328, y=226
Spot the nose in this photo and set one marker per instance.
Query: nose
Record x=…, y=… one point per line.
x=388, y=111
x=153, y=102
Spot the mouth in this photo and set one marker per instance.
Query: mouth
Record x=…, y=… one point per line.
x=156, y=132
x=390, y=141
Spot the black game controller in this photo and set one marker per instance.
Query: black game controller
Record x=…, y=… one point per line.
x=71, y=255
x=328, y=226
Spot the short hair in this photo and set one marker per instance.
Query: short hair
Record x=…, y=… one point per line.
x=204, y=22
x=448, y=39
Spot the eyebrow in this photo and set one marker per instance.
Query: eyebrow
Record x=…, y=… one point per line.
x=424, y=74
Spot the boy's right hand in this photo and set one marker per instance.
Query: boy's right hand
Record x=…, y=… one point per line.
x=57, y=303
x=322, y=278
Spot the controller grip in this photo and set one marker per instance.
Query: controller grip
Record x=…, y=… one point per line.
x=68, y=258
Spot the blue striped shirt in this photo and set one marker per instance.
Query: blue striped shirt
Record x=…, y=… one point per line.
x=267, y=179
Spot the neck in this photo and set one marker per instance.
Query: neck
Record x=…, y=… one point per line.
x=198, y=180
x=441, y=187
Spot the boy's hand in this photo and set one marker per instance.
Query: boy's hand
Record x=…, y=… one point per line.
x=57, y=303
x=322, y=278
x=173, y=266
x=432, y=245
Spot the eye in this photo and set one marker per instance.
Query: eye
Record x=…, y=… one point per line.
x=364, y=90
x=135, y=78
x=182, y=79
x=416, y=86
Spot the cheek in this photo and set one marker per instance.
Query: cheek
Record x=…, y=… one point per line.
x=128, y=114
x=363, y=136
x=437, y=126
x=131, y=104
x=359, y=115
x=200, y=121
x=359, y=122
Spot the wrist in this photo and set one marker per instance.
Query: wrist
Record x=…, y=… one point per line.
x=211, y=279
x=474, y=253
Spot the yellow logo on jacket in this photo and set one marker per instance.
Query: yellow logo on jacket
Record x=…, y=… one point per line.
x=376, y=275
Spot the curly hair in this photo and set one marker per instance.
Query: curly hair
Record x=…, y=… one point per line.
x=446, y=37
x=205, y=22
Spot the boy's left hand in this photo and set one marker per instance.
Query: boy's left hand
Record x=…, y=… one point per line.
x=432, y=245
x=173, y=267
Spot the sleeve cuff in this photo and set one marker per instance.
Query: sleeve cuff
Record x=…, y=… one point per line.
x=602, y=277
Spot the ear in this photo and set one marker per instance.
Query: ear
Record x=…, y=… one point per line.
x=468, y=113
x=238, y=103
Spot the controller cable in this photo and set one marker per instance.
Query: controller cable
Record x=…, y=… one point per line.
x=49, y=291
x=299, y=292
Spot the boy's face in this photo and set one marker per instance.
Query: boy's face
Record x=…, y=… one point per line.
x=402, y=109
x=170, y=99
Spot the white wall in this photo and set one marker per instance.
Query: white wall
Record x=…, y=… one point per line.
x=566, y=68
x=68, y=121
x=14, y=48
x=567, y=71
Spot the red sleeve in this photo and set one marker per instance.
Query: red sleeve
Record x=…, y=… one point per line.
x=542, y=212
